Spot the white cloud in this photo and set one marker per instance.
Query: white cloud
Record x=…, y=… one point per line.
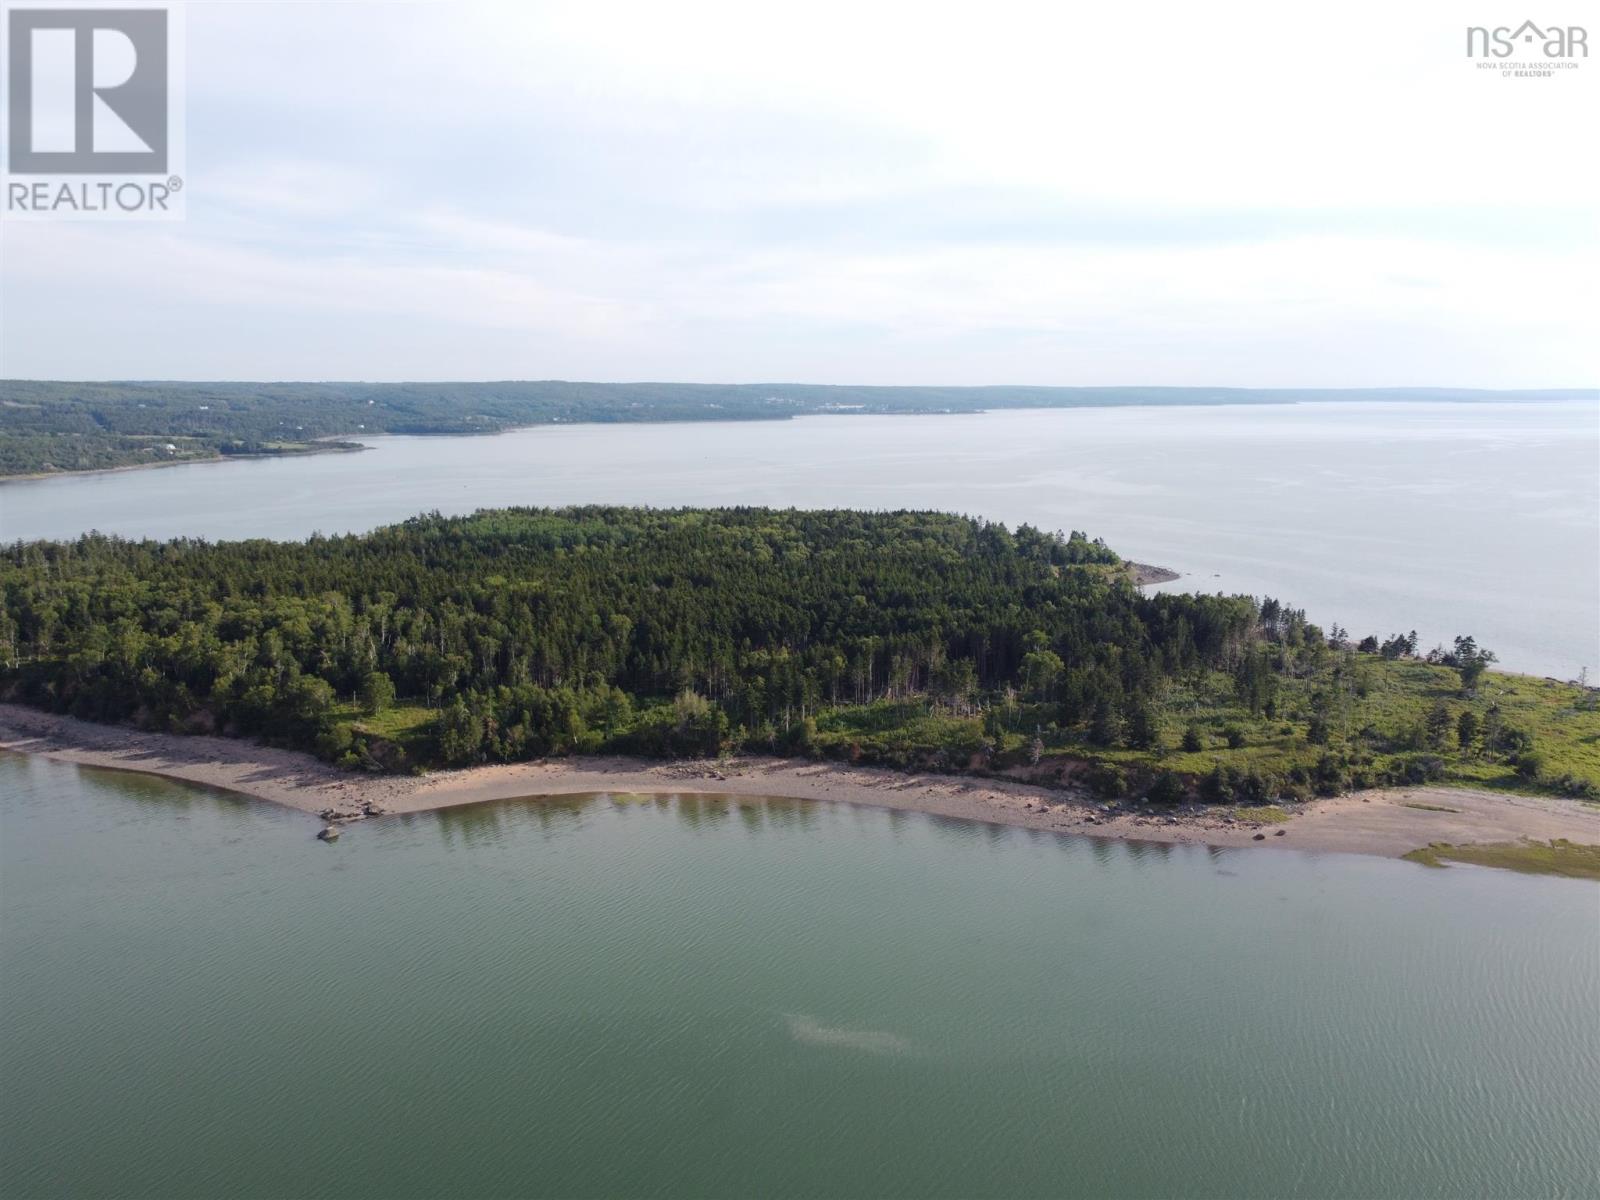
x=1162, y=193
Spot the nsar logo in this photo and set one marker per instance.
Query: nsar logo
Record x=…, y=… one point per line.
x=1553, y=41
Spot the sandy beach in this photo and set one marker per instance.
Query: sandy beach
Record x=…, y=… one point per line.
x=1388, y=823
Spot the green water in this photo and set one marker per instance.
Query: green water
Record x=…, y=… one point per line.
x=707, y=997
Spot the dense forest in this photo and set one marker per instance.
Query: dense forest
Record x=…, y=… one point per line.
x=56, y=426
x=907, y=638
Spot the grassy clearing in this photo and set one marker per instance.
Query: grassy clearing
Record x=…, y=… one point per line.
x=1377, y=727
x=1262, y=814
x=902, y=733
x=1571, y=860
x=409, y=726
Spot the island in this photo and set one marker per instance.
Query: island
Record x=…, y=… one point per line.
x=1019, y=669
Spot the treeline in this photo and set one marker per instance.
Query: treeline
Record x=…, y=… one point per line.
x=905, y=638
x=533, y=632
x=48, y=425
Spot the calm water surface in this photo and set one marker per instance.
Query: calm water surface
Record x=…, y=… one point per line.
x=1445, y=518
x=707, y=997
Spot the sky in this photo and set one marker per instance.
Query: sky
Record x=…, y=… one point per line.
x=1149, y=193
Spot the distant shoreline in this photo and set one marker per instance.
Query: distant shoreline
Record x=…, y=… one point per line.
x=993, y=398
x=343, y=447
x=1384, y=823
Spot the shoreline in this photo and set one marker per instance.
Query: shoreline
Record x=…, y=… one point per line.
x=1388, y=823
x=1145, y=574
x=1368, y=396
x=36, y=476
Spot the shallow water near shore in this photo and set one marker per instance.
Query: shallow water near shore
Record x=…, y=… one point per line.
x=1383, y=516
x=708, y=996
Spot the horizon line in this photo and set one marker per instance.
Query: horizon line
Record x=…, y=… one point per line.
x=757, y=383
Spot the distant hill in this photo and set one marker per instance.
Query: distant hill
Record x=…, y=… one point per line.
x=53, y=426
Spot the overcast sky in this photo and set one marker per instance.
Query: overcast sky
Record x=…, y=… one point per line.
x=1240, y=194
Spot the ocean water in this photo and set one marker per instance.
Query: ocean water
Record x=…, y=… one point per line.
x=1479, y=519
x=708, y=996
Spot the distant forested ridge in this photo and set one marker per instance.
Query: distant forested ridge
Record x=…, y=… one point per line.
x=907, y=638
x=48, y=426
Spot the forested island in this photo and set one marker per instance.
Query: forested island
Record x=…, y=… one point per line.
x=908, y=639
x=47, y=427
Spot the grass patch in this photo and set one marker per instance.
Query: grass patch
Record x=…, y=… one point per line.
x=396, y=723
x=1571, y=860
x=902, y=734
x=1430, y=807
x=1376, y=727
x=1263, y=814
